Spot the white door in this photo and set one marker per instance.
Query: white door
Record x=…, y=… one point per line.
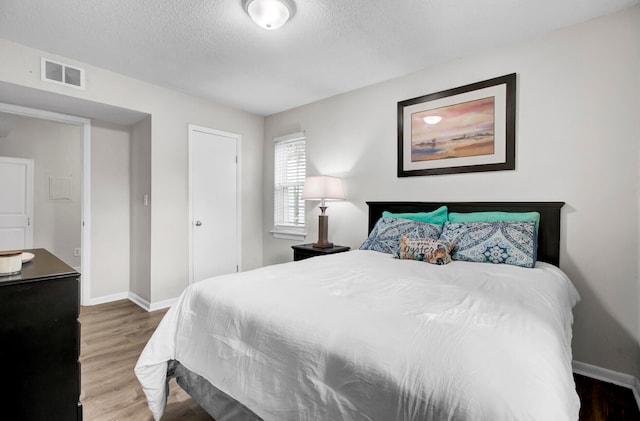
x=16, y=203
x=213, y=200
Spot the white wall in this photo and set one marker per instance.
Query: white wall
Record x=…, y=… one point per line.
x=56, y=149
x=578, y=122
x=110, y=181
x=171, y=113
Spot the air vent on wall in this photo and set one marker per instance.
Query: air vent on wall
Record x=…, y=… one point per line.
x=52, y=71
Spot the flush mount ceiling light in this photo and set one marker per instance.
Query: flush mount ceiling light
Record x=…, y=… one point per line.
x=269, y=14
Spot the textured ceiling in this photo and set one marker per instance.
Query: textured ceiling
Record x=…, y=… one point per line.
x=212, y=49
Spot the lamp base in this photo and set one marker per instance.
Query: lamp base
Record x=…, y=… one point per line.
x=323, y=228
x=322, y=245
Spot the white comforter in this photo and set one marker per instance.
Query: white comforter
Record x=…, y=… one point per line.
x=364, y=336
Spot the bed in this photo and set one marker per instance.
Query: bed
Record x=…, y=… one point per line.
x=363, y=335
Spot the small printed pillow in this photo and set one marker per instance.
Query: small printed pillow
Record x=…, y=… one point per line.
x=512, y=243
x=386, y=234
x=425, y=250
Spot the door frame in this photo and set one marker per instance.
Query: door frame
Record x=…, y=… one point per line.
x=29, y=163
x=195, y=128
x=85, y=202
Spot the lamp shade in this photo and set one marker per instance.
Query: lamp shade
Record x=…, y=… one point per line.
x=323, y=188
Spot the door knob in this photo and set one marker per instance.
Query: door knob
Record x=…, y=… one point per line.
x=198, y=223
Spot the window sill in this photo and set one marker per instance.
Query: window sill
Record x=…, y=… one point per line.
x=289, y=235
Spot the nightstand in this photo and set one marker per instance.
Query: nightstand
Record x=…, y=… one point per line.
x=304, y=251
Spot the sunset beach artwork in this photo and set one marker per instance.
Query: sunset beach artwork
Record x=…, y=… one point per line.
x=469, y=128
x=463, y=130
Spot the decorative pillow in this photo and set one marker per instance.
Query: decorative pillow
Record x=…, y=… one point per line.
x=495, y=217
x=426, y=250
x=387, y=233
x=513, y=243
x=438, y=216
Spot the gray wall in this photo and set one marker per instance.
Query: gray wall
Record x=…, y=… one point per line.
x=171, y=113
x=140, y=214
x=110, y=185
x=577, y=141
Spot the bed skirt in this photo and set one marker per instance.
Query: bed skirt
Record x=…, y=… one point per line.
x=218, y=404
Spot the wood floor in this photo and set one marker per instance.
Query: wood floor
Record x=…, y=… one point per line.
x=112, y=338
x=114, y=334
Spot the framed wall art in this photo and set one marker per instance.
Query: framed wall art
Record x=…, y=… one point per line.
x=466, y=129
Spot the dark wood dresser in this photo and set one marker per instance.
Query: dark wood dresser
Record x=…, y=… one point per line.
x=40, y=341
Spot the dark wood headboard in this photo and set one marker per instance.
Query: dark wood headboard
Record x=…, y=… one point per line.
x=548, y=231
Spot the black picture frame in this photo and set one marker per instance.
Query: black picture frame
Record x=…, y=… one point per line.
x=498, y=93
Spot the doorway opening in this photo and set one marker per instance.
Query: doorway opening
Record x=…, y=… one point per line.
x=60, y=185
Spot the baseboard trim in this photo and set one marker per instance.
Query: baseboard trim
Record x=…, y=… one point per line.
x=136, y=299
x=141, y=302
x=609, y=376
x=163, y=304
x=108, y=298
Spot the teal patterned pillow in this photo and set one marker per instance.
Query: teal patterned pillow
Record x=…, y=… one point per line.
x=387, y=233
x=495, y=216
x=438, y=216
x=512, y=243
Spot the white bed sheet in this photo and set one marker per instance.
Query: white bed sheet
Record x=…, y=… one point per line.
x=364, y=336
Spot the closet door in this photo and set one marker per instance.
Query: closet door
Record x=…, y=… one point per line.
x=213, y=199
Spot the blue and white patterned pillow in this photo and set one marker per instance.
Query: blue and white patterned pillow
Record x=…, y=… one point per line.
x=387, y=233
x=512, y=243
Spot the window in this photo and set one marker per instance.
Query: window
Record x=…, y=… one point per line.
x=289, y=174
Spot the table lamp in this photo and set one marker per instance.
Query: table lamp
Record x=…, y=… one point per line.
x=323, y=188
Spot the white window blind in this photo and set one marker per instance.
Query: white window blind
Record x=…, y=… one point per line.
x=289, y=175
